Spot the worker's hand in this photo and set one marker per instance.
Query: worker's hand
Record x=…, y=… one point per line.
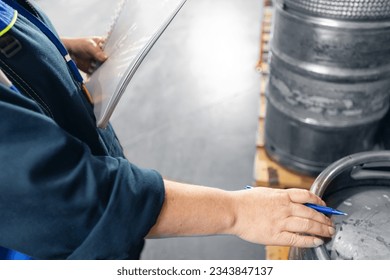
x=86, y=52
x=260, y=215
x=278, y=217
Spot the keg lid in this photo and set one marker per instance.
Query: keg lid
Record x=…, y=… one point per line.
x=358, y=185
x=343, y=9
x=365, y=233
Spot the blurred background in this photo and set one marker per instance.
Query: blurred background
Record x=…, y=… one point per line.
x=191, y=110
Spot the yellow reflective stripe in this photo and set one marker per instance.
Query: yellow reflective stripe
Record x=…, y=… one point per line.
x=5, y=30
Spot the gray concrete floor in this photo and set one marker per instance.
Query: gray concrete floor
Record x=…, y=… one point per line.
x=191, y=110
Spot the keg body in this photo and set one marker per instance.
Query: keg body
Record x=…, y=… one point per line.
x=328, y=88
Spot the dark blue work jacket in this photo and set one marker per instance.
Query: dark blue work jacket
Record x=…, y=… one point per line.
x=66, y=189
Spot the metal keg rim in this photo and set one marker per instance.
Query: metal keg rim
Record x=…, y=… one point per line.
x=335, y=169
x=331, y=22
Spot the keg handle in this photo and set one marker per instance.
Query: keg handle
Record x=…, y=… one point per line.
x=366, y=165
x=375, y=170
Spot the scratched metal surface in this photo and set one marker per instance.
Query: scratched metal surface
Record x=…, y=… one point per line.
x=365, y=232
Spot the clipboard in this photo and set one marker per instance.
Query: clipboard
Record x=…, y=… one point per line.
x=136, y=27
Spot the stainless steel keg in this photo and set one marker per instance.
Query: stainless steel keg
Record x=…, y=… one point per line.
x=358, y=185
x=343, y=9
x=329, y=80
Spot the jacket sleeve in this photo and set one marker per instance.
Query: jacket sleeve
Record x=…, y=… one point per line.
x=59, y=201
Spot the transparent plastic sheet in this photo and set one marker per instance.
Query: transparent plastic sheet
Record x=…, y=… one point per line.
x=136, y=27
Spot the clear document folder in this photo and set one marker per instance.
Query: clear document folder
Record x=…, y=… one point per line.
x=136, y=27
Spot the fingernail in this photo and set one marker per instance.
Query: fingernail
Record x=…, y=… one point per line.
x=332, y=231
x=318, y=242
x=103, y=56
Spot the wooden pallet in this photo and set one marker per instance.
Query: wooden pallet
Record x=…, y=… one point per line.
x=267, y=172
x=265, y=38
x=277, y=252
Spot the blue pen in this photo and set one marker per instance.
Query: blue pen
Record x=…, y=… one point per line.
x=322, y=209
x=325, y=210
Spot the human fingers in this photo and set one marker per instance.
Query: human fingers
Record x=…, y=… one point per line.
x=307, y=226
x=99, y=40
x=304, y=196
x=98, y=54
x=297, y=240
x=302, y=211
x=93, y=50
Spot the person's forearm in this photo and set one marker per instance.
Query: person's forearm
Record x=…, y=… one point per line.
x=193, y=210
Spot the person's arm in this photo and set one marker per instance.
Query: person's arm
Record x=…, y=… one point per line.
x=58, y=200
x=261, y=215
x=86, y=52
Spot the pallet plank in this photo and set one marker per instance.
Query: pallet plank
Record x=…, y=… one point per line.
x=277, y=252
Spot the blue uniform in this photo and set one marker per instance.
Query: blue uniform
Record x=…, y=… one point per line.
x=66, y=189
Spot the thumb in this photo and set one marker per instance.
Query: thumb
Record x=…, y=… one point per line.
x=101, y=56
